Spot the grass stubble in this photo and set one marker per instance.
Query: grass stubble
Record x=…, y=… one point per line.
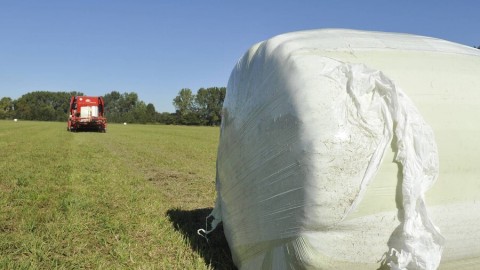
x=131, y=198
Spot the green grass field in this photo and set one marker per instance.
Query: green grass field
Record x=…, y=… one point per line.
x=131, y=198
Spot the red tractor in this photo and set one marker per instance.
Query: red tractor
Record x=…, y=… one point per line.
x=87, y=113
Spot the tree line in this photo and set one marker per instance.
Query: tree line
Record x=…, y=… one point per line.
x=204, y=108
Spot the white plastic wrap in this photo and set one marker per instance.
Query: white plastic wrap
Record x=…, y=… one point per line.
x=324, y=162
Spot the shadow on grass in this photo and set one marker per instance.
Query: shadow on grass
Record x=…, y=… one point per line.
x=215, y=252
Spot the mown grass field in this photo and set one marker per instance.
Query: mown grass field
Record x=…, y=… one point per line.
x=131, y=198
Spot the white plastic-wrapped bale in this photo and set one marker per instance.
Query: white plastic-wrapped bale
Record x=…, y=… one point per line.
x=329, y=145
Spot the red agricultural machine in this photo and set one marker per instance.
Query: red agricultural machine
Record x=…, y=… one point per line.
x=87, y=113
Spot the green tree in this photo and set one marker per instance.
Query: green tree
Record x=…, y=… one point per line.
x=184, y=105
x=124, y=107
x=184, y=101
x=113, y=106
x=46, y=112
x=140, y=112
x=44, y=105
x=166, y=118
x=129, y=101
x=6, y=108
x=204, y=108
x=209, y=103
x=151, y=113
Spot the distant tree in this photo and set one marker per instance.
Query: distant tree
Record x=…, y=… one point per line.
x=151, y=113
x=183, y=102
x=125, y=107
x=6, y=108
x=204, y=108
x=44, y=105
x=140, y=113
x=166, y=118
x=184, y=105
x=129, y=101
x=113, y=109
x=209, y=103
x=46, y=112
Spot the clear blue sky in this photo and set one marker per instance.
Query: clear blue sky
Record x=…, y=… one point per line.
x=156, y=48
